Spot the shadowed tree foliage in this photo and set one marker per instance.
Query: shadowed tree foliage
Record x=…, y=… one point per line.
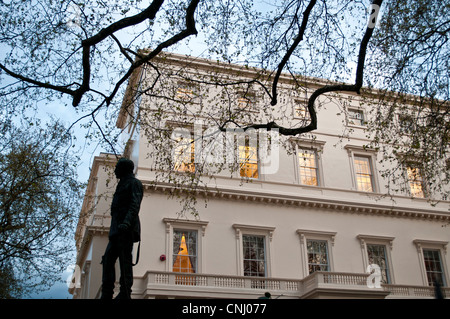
x=39, y=202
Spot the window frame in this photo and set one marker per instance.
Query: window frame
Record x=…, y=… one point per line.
x=315, y=169
x=262, y=239
x=440, y=246
x=252, y=230
x=187, y=92
x=193, y=265
x=406, y=123
x=188, y=225
x=184, y=132
x=178, y=163
x=361, y=176
x=246, y=100
x=310, y=145
x=387, y=242
x=363, y=152
x=315, y=235
x=302, y=105
x=247, y=144
x=313, y=265
x=359, y=111
x=414, y=166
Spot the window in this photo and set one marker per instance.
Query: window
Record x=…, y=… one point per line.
x=308, y=167
x=308, y=161
x=254, y=255
x=377, y=250
x=377, y=255
x=253, y=250
x=317, y=255
x=185, y=92
x=184, y=155
x=415, y=181
x=363, y=172
x=184, y=251
x=356, y=117
x=406, y=123
x=362, y=164
x=316, y=248
x=184, y=247
x=246, y=100
x=433, y=267
x=248, y=160
x=301, y=111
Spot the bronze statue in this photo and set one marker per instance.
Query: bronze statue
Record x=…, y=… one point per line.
x=124, y=231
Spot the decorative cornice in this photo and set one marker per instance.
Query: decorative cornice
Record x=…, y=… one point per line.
x=248, y=195
x=253, y=228
x=185, y=222
x=430, y=243
x=359, y=149
x=372, y=238
x=312, y=143
x=304, y=233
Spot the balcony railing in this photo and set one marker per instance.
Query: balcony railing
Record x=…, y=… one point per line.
x=217, y=286
x=218, y=281
x=317, y=285
x=403, y=291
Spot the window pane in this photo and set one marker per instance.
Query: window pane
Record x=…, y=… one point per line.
x=317, y=255
x=302, y=112
x=245, y=99
x=185, y=92
x=363, y=173
x=415, y=182
x=248, y=159
x=254, y=255
x=433, y=267
x=307, y=161
x=377, y=255
x=356, y=117
x=185, y=251
x=184, y=155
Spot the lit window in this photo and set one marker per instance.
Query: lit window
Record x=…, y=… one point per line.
x=246, y=99
x=184, y=155
x=184, y=251
x=185, y=92
x=433, y=267
x=356, y=117
x=317, y=255
x=245, y=102
x=184, y=248
x=307, y=160
x=377, y=255
x=415, y=182
x=363, y=171
x=184, y=255
x=248, y=159
x=254, y=255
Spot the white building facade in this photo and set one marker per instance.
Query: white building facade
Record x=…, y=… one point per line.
x=309, y=224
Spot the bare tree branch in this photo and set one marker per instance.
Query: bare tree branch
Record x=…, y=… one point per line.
x=288, y=54
x=148, y=13
x=327, y=88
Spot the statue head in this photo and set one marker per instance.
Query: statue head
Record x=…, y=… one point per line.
x=124, y=167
